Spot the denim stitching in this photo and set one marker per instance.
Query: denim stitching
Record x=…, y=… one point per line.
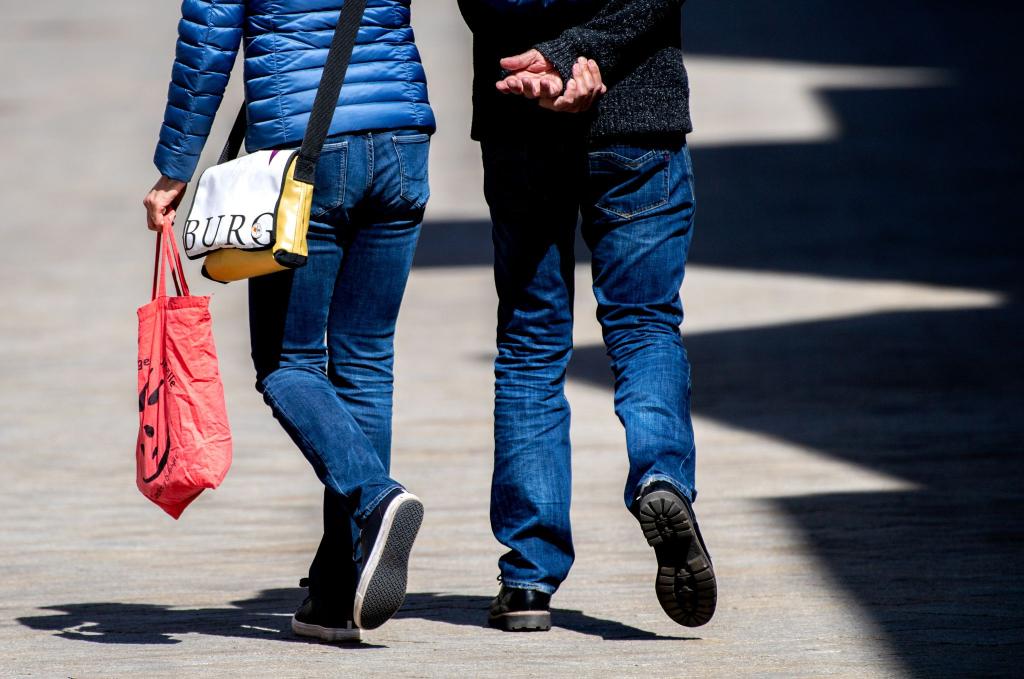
x=628, y=162
x=534, y=586
x=667, y=479
x=635, y=164
x=401, y=167
x=335, y=145
x=342, y=180
x=689, y=177
x=398, y=141
x=369, y=162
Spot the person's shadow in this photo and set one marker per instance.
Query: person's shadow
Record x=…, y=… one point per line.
x=268, y=616
x=464, y=609
x=265, y=616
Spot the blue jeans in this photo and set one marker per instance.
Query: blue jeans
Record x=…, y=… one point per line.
x=323, y=335
x=637, y=207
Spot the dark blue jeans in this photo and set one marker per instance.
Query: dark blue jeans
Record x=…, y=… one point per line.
x=637, y=207
x=323, y=334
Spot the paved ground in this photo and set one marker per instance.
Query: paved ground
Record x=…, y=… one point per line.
x=853, y=315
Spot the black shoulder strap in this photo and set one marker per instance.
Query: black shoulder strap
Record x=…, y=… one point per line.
x=235, y=138
x=330, y=88
x=326, y=100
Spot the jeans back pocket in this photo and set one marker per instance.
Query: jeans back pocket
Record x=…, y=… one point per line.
x=627, y=182
x=413, y=153
x=331, y=178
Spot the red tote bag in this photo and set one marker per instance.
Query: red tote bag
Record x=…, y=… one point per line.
x=184, y=442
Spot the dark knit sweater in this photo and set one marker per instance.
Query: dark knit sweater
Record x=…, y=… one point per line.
x=636, y=43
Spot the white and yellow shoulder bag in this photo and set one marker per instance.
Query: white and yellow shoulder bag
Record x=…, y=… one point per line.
x=250, y=215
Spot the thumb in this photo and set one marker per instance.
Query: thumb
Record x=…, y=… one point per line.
x=520, y=61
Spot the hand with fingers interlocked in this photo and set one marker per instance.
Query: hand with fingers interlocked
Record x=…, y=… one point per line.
x=533, y=76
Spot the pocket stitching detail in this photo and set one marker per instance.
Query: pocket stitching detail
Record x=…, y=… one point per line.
x=403, y=176
x=342, y=180
x=633, y=165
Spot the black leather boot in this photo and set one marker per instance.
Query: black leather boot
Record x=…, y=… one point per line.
x=685, y=585
x=520, y=610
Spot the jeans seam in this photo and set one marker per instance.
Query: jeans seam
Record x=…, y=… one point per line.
x=369, y=162
x=401, y=168
x=648, y=480
x=534, y=586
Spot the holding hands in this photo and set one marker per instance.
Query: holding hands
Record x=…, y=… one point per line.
x=534, y=77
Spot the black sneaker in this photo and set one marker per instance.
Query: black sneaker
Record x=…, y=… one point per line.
x=520, y=610
x=686, y=584
x=386, y=541
x=313, y=619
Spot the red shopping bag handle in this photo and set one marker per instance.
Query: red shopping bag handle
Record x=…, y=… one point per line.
x=167, y=255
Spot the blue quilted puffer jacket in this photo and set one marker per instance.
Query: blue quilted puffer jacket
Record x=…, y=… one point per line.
x=286, y=43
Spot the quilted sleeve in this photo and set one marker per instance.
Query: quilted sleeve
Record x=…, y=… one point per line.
x=209, y=35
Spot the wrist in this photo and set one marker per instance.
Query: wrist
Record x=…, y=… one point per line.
x=170, y=183
x=561, y=54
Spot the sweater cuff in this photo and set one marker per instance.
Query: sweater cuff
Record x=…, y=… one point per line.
x=562, y=54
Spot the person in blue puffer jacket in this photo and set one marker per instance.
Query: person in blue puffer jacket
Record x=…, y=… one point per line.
x=323, y=335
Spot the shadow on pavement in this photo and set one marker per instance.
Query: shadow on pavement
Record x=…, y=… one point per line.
x=916, y=397
x=462, y=609
x=268, y=616
x=922, y=185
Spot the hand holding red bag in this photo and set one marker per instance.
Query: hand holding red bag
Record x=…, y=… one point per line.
x=184, y=442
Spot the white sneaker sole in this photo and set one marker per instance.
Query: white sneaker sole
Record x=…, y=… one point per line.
x=381, y=588
x=304, y=629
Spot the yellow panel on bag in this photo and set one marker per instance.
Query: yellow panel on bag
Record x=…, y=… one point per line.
x=293, y=209
x=225, y=266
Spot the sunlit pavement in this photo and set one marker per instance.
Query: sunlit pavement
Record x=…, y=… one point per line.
x=855, y=377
